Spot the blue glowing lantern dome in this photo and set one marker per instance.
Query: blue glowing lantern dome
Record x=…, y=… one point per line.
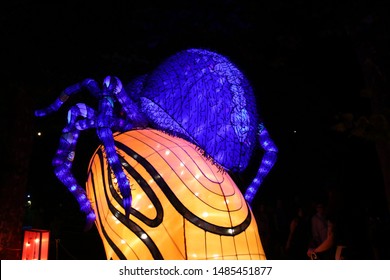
x=202, y=97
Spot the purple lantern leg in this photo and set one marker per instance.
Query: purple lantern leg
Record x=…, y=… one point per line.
x=88, y=84
x=269, y=159
x=64, y=157
x=81, y=117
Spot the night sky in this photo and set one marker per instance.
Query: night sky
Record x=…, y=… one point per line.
x=300, y=57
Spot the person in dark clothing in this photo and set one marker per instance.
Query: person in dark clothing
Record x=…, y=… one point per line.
x=322, y=238
x=340, y=230
x=299, y=236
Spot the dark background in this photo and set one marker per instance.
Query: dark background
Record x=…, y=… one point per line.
x=303, y=59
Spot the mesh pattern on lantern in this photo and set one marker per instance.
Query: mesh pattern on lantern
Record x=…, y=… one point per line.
x=207, y=101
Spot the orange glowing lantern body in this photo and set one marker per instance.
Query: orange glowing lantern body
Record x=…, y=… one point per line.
x=36, y=244
x=183, y=207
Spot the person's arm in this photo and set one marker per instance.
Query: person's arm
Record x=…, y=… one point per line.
x=326, y=244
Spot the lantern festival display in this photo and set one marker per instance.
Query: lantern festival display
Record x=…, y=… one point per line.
x=36, y=244
x=195, y=94
x=158, y=186
x=184, y=206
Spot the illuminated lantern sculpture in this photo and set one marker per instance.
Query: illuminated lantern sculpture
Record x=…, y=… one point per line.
x=184, y=206
x=36, y=244
x=199, y=97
